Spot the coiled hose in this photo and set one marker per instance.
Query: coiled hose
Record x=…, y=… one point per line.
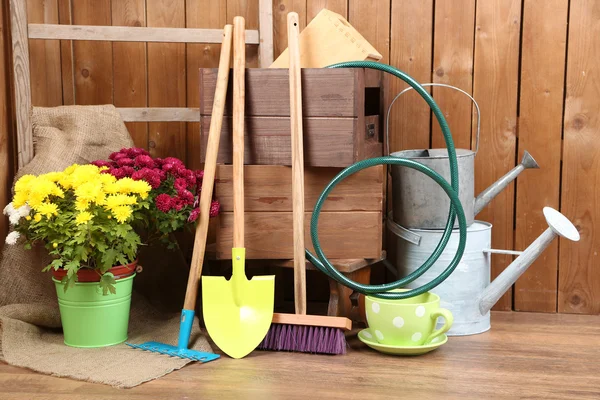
x=385, y=290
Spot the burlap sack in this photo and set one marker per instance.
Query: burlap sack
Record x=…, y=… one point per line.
x=30, y=328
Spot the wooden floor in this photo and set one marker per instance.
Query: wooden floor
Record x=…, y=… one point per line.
x=545, y=356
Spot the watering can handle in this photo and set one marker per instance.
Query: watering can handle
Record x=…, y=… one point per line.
x=387, y=118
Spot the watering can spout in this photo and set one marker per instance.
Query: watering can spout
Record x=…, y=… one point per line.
x=488, y=194
x=558, y=225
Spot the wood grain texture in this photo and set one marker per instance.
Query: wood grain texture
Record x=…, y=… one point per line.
x=540, y=131
x=130, y=70
x=523, y=356
x=249, y=10
x=65, y=16
x=46, y=84
x=22, y=83
x=410, y=50
x=579, y=283
x=495, y=88
x=372, y=20
x=337, y=6
x=93, y=64
x=166, y=79
x=342, y=234
x=453, y=65
x=332, y=92
x=269, y=143
x=281, y=8
x=268, y=188
x=205, y=14
x=6, y=132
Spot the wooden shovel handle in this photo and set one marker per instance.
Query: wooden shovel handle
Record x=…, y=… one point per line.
x=239, y=98
x=210, y=165
x=293, y=27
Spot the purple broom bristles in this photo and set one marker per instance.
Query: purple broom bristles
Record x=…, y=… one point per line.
x=304, y=339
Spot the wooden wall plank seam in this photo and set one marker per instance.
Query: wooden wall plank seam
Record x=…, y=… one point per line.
x=540, y=130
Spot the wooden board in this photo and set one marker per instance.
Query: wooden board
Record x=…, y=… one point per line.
x=281, y=8
x=410, y=50
x=540, y=132
x=269, y=143
x=328, y=39
x=495, y=87
x=166, y=79
x=269, y=188
x=92, y=60
x=200, y=14
x=372, y=20
x=453, y=65
x=332, y=92
x=46, y=84
x=579, y=282
x=130, y=69
x=268, y=235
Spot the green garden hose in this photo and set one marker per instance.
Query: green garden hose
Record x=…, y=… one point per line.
x=456, y=210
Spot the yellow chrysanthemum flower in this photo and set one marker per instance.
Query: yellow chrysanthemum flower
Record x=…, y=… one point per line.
x=116, y=200
x=37, y=217
x=47, y=209
x=83, y=217
x=122, y=213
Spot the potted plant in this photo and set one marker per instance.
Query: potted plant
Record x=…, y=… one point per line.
x=174, y=198
x=85, y=219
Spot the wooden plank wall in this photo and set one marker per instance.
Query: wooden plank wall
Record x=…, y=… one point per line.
x=534, y=74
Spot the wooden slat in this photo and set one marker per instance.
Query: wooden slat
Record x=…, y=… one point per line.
x=281, y=8
x=132, y=34
x=130, y=69
x=331, y=91
x=269, y=143
x=66, y=55
x=22, y=84
x=540, y=132
x=372, y=20
x=268, y=188
x=453, y=65
x=159, y=114
x=410, y=50
x=249, y=10
x=268, y=235
x=6, y=131
x=579, y=282
x=93, y=60
x=495, y=87
x=45, y=80
x=166, y=79
x=337, y=6
x=200, y=14
x=265, y=29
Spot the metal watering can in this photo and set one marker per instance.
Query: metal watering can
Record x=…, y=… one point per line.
x=421, y=203
x=468, y=292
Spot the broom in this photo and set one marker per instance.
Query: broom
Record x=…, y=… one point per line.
x=300, y=332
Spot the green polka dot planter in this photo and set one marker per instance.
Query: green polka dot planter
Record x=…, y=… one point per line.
x=406, y=322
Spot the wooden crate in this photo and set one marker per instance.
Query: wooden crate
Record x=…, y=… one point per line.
x=349, y=225
x=342, y=116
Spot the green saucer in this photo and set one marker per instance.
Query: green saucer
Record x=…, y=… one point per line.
x=400, y=350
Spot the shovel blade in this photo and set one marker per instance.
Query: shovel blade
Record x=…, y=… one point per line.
x=238, y=327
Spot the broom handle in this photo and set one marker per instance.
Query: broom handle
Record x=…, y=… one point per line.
x=239, y=65
x=210, y=165
x=297, y=163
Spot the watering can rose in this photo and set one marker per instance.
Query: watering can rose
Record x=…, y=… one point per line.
x=173, y=199
x=83, y=216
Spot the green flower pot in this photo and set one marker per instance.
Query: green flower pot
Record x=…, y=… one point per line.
x=90, y=319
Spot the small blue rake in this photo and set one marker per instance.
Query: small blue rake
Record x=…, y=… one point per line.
x=181, y=350
x=210, y=166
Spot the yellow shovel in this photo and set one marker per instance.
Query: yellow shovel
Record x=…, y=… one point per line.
x=238, y=312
